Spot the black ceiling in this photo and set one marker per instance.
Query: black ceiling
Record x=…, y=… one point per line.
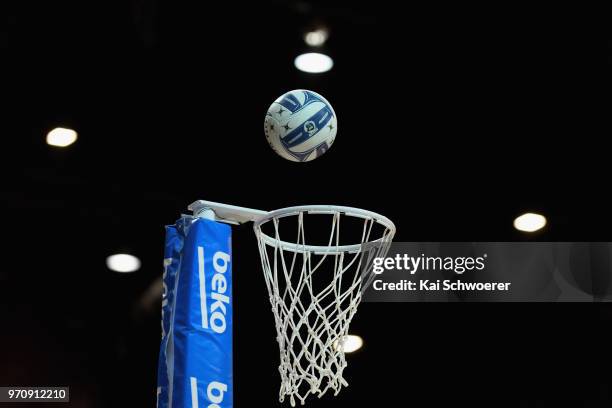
x=452, y=120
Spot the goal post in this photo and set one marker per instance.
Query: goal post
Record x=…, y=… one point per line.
x=314, y=288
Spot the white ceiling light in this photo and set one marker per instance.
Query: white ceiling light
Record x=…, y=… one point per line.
x=350, y=343
x=61, y=137
x=314, y=62
x=529, y=222
x=123, y=263
x=316, y=38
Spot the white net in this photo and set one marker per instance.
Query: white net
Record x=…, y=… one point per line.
x=315, y=290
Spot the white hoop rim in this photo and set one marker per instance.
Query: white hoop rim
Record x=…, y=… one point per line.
x=323, y=209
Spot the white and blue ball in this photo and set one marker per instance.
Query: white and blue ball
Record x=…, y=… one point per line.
x=301, y=125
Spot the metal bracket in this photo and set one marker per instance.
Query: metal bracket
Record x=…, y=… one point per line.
x=229, y=214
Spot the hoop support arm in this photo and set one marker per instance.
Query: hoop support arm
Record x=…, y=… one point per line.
x=230, y=214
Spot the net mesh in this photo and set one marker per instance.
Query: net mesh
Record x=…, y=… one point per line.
x=314, y=293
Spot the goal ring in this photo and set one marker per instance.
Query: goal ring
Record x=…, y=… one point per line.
x=322, y=209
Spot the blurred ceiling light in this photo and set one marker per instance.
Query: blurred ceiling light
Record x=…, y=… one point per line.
x=61, y=137
x=314, y=63
x=350, y=343
x=529, y=222
x=316, y=38
x=123, y=263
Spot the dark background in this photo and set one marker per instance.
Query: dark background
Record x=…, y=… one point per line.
x=452, y=121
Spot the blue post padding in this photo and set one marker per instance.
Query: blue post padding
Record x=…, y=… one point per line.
x=195, y=361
